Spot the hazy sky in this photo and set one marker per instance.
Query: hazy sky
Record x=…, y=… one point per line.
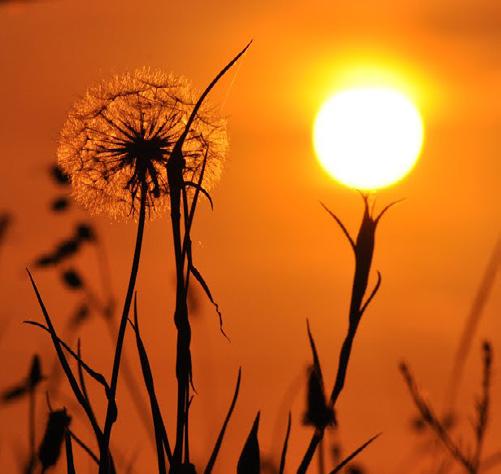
x=272, y=256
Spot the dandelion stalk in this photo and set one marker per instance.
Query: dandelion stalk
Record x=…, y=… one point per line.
x=115, y=147
x=111, y=408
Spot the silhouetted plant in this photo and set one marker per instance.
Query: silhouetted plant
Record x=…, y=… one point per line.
x=129, y=147
x=363, y=249
x=28, y=388
x=469, y=459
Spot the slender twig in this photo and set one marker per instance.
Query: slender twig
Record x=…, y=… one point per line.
x=431, y=419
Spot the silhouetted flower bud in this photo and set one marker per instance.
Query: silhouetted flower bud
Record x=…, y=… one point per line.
x=318, y=413
x=50, y=447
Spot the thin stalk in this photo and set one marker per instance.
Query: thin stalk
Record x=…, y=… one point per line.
x=183, y=358
x=321, y=457
x=104, y=455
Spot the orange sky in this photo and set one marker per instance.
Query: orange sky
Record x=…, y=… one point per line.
x=271, y=254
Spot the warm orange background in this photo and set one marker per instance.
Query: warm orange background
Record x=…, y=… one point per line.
x=270, y=253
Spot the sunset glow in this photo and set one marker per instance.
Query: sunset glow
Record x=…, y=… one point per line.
x=368, y=137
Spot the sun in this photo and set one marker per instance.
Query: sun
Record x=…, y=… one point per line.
x=368, y=137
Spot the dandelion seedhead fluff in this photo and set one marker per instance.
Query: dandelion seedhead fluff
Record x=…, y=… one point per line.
x=118, y=139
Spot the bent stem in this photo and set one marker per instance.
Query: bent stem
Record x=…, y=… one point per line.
x=111, y=411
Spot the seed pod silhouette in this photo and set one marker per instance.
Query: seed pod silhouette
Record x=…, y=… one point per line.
x=60, y=204
x=318, y=413
x=72, y=279
x=50, y=447
x=59, y=176
x=85, y=232
x=66, y=248
x=33, y=378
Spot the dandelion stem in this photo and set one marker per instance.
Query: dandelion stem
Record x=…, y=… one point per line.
x=111, y=413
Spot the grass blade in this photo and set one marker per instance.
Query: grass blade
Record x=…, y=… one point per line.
x=250, y=462
x=286, y=444
x=161, y=439
x=219, y=440
x=64, y=363
x=354, y=454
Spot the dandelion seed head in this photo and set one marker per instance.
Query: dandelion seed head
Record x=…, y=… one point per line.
x=119, y=136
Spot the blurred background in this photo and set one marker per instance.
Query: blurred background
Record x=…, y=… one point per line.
x=270, y=253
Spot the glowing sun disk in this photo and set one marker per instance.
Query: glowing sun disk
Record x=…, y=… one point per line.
x=368, y=137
